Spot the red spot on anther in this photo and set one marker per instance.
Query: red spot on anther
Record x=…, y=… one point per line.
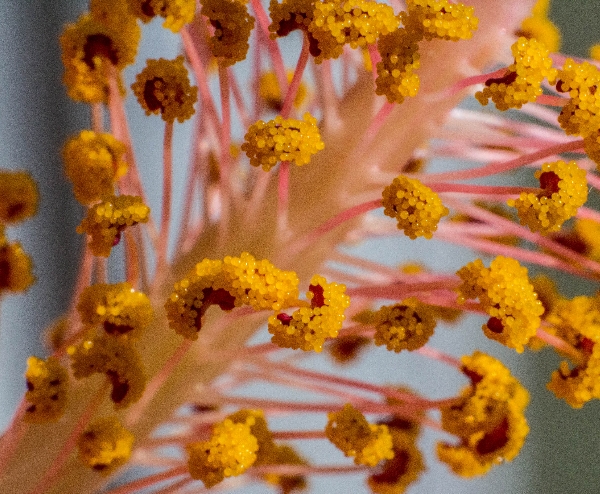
x=318, y=299
x=116, y=329
x=587, y=346
x=120, y=388
x=147, y=9
x=150, y=98
x=472, y=375
x=284, y=318
x=393, y=469
x=507, y=79
x=495, y=325
x=4, y=270
x=549, y=182
x=494, y=440
x=99, y=45
x=117, y=239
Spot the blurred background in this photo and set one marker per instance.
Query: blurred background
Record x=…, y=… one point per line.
x=563, y=449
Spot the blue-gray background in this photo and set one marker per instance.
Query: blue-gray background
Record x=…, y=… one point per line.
x=563, y=451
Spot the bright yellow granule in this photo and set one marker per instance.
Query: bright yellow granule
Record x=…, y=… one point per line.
x=489, y=421
x=18, y=196
x=176, y=13
x=505, y=293
x=93, y=162
x=564, y=191
x=404, y=326
x=119, y=308
x=105, y=221
x=232, y=28
x=163, y=86
x=308, y=327
x=440, y=19
x=16, y=268
x=230, y=283
x=230, y=452
x=522, y=82
x=109, y=36
x=47, y=383
x=270, y=92
x=268, y=143
x=260, y=430
x=357, y=23
x=416, y=207
x=350, y=432
x=105, y=445
x=399, y=52
x=540, y=27
x=581, y=114
x=578, y=322
x=589, y=232
x=595, y=52
x=395, y=476
x=118, y=360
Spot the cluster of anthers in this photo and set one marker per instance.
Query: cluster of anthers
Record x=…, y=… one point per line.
x=118, y=335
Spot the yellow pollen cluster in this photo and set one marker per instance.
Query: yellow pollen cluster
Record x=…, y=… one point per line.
x=489, y=419
x=47, y=383
x=396, y=77
x=350, y=432
x=230, y=283
x=522, y=82
x=440, y=19
x=105, y=221
x=308, y=327
x=404, y=326
x=540, y=27
x=105, y=445
x=16, y=268
x=259, y=429
x=581, y=114
x=564, y=190
x=268, y=143
x=505, y=293
x=176, y=13
x=93, y=163
x=119, y=308
x=578, y=322
x=588, y=231
x=118, y=360
x=355, y=22
x=163, y=86
x=107, y=37
x=416, y=207
x=230, y=452
x=18, y=196
x=270, y=92
x=232, y=28
x=290, y=15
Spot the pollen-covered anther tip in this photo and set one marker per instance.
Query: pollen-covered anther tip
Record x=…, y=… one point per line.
x=105, y=445
x=47, y=387
x=415, y=206
x=177, y=13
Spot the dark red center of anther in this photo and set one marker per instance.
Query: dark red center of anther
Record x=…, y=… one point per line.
x=347, y=347
x=318, y=299
x=495, y=325
x=15, y=209
x=507, y=79
x=398, y=423
x=549, y=182
x=147, y=9
x=220, y=297
x=4, y=270
x=150, y=98
x=99, y=45
x=116, y=329
x=559, y=86
x=117, y=239
x=284, y=318
x=393, y=469
x=494, y=440
x=472, y=375
x=571, y=241
x=29, y=385
x=586, y=345
x=120, y=388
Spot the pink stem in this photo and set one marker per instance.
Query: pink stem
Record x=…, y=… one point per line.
x=548, y=100
x=150, y=480
x=11, y=437
x=64, y=454
x=375, y=59
x=300, y=244
x=395, y=291
x=496, y=168
x=291, y=435
x=296, y=79
x=283, y=188
x=157, y=382
x=225, y=141
x=476, y=79
x=165, y=219
x=441, y=187
x=308, y=470
x=439, y=356
x=97, y=118
x=272, y=46
x=560, y=345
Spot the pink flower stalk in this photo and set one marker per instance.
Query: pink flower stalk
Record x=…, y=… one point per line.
x=326, y=158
